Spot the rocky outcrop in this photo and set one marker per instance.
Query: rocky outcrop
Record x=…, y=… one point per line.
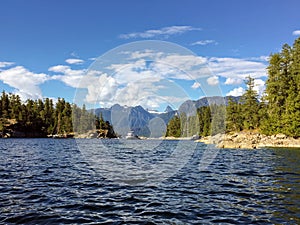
x=251, y=140
x=100, y=133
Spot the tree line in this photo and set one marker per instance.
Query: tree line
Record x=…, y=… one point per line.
x=41, y=118
x=276, y=111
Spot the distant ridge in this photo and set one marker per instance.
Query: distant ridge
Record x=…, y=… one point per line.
x=136, y=118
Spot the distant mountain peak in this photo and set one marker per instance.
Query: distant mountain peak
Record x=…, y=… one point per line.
x=168, y=109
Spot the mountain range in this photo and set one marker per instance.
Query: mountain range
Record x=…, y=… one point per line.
x=151, y=123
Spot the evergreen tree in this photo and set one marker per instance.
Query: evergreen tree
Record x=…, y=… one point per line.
x=234, y=120
x=291, y=118
x=282, y=92
x=250, y=106
x=173, y=127
x=205, y=119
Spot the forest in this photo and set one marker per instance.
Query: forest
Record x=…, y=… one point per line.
x=42, y=118
x=276, y=111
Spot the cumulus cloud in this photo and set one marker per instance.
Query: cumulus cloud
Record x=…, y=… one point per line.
x=101, y=89
x=165, y=31
x=74, y=78
x=137, y=68
x=236, y=92
x=233, y=81
x=214, y=80
x=74, y=61
x=296, y=32
x=259, y=86
x=150, y=78
x=25, y=82
x=204, y=42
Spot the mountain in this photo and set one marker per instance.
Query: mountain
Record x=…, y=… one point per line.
x=190, y=107
x=168, y=109
x=125, y=118
x=151, y=123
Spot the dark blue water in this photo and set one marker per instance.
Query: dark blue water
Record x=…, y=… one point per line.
x=51, y=181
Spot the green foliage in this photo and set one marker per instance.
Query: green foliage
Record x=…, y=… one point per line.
x=174, y=127
x=234, y=119
x=282, y=92
x=249, y=106
x=277, y=112
x=42, y=118
x=204, y=114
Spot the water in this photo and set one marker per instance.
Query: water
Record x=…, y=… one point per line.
x=50, y=181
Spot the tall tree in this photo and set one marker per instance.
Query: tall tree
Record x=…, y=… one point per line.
x=174, y=127
x=250, y=106
x=234, y=120
x=291, y=118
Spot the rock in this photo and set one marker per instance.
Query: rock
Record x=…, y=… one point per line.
x=93, y=135
x=251, y=140
x=280, y=136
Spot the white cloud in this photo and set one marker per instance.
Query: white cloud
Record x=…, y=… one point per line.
x=25, y=82
x=236, y=92
x=296, y=32
x=198, y=66
x=59, y=68
x=165, y=31
x=145, y=77
x=237, y=68
x=205, y=42
x=196, y=85
x=74, y=78
x=66, y=70
x=6, y=64
x=151, y=66
x=214, y=80
x=259, y=86
x=101, y=89
x=74, y=61
x=263, y=58
x=233, y=81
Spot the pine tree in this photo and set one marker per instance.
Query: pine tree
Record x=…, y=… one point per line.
x=234, y=120
x=291, y=118
x=250, y=106
x=282, y=92
x=173, y=127
x=205, y=120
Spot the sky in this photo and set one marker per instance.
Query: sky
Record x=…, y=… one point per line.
x=138, y=52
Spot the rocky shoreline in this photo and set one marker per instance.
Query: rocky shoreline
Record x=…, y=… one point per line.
x=251, y=140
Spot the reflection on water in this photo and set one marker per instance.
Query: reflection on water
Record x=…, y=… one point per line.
x=287, y=173
x=51, y=181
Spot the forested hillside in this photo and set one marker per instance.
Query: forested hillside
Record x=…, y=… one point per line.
x=277, y=111
x=41, y=118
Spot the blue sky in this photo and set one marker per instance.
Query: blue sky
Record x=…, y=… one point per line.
x=46, y=46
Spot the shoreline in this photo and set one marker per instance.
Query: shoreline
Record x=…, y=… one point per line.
x=251, y=140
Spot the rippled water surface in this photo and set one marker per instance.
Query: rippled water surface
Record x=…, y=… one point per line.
x=52, y=181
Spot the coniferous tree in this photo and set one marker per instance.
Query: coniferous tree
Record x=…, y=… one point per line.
x=282, y=92
x=173, y=128
x=234, y=120
x=250, y=106
x=291, y=118
x=204, y=115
